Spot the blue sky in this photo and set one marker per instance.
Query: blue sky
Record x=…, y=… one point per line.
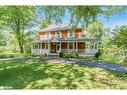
x=115, y=20
x=112, y=22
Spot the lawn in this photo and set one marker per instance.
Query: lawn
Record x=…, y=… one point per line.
x=43, y=75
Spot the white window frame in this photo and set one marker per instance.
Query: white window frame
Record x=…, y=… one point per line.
x=47, y=35
x=69, y=31
x=57, y=35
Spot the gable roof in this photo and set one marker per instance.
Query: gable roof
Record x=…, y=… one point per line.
x=56, y=28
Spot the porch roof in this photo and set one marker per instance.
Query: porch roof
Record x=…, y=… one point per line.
x=78, y=40
x=69, y=40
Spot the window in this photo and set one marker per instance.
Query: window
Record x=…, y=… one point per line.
x=36, y=46
x=47, y=35
x=58, y=34
x=95, y=46
x=70, y=45
x=71, y=34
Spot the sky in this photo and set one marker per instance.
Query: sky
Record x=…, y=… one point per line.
x=115, y=20
x=111, y=22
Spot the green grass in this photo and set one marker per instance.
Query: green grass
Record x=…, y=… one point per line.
x=13, y=55
x=43, y=75
x=86, y=59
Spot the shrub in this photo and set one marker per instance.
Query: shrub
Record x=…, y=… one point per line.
x=9, y=55
x=125, y=61
x=61, y=54
x=76, y=54
x=97, y=55
x=70, y=55
x=45, y=55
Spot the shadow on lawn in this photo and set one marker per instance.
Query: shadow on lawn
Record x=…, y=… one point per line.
x=28, y=75
x=43, y=75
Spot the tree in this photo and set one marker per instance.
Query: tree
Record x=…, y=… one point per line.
x=97, y=30
x=2, y=39
x=18, y=19
x=80, y=14
x=115, y=47
x=45, y=23
x=120, y=37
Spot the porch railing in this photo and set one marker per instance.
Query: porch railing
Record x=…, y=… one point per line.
x=80, y=51
x=40, y=51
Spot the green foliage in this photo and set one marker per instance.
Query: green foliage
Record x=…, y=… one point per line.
x=120, y=37
x=113, y=49
x=9, y=55
x=45, y=23
x=18, y=19
x=98, y=54
x=70, y=55
x=79, y=14
x=61, y=54
x=76, y=54
x=2, y=39
x=97, y=30
x=125, y=61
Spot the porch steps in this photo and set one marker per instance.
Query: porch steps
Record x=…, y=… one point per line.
x=87, y=55
x=53, y=55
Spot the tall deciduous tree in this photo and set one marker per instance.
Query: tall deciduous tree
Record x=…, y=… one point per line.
x=80, y=14
x=18, y=19
x=97, y=30
x=120, y=37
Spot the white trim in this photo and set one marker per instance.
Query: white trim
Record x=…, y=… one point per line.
x=68, y=46
x=54, y=39
x=48, y=48
x=57, y=48
x=69, y=33
x=60, y=46
x=45, y=45
x=76, y=47
x=56, y=34
x=41, y=46
x=47, y=34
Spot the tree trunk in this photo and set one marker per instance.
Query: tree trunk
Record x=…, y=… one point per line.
x=21, y=47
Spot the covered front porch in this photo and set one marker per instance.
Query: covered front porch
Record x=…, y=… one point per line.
x=54, y=47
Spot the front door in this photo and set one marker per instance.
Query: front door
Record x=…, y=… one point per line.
x=57, y=47
x=53, y=47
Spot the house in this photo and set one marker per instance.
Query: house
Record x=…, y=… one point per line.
x=55, y=39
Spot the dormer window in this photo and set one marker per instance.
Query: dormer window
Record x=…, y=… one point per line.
x=58, y=34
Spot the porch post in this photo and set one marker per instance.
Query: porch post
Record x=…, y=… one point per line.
x=45, y=46
x=41, y=48
x=45, y=50
x=48, y=48
x=67, y=47
x=76, y=47
x=84, y=47
x=60, y=46
x=97, y=46
x=38, y=48
x=73, y=46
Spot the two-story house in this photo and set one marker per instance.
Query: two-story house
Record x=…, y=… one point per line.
x=54, y=39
